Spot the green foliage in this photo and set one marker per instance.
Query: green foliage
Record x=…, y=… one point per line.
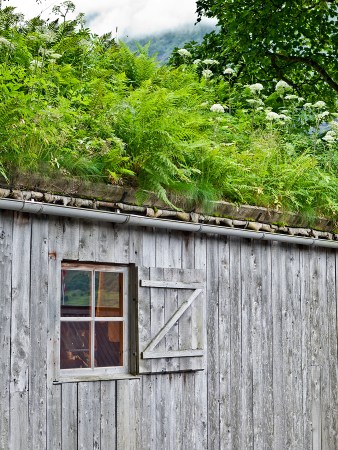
x=270, y=40
x=76, y=104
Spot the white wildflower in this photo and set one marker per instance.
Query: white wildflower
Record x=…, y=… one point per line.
x=255, y=101
x=334, y=125
x=209, y=62
x=6, y=43
x=307, y=105
x=204, y=104
x=319, y=104
x=331, y=133
x=260, y=108
x=228, y=71
x=329, y=138
x=206, y=73
x=197, y=62
x=323, y=115
x=272, y=115
x=55, y=55
x=184, y=52
x=257, y=87
x=217, y=108
x=282, y=86
x=291, y=97
x=35, y=63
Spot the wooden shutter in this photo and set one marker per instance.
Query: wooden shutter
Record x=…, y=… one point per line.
x=171, y=322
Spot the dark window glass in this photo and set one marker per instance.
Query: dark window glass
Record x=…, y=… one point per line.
x=108, y=344
x=75, y=345
x=108, y=294
x=76, y=293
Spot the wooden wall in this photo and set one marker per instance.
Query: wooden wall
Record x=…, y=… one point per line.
x=271, y=377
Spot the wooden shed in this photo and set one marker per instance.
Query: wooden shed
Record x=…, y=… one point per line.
x=119, y=330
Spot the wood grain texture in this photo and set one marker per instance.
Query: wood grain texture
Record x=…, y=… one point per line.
x=6, y=243
x=20, y=333
x=269, y=322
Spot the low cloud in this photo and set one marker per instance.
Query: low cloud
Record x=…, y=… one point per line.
x=132, y=17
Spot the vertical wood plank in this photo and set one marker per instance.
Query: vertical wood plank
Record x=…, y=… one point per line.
x=316, y=408
x=201, y=377
x=235, y=293
x=278, y=289
x=69, y=416
x=306, y=268
x=6, y=242
x=331, y=414
x=213, y=341
x=225, y=345
x=38, y=334
x=20, y=343
x=266, y=336
x=89, y=416
x=108, y=415
x=249, y=297
x=128, y=414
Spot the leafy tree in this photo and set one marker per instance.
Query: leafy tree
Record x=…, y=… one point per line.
x=266, y=40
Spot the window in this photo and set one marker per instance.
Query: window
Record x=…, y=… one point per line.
x=93, y=319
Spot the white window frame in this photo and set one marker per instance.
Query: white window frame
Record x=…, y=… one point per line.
x=97, y=372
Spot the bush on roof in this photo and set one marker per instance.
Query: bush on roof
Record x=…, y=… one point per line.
x=81, y=105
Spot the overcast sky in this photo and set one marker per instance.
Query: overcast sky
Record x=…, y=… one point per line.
x=132, y=17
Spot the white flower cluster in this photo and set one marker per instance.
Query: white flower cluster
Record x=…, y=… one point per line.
x=210, y=62
x=206, y=73
x=323, y=115
x=228, y=71
x=319, y=104
x=330, y=136
x=197, y=62
x=282, y=86
x=217, y=108
x=6, y=43
x=293, y=97
x=184, y=52
x=270, y=115
x=257, y=87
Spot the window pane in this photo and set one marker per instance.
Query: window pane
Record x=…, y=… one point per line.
x=75, y=293
x=108, y=294
x=75, y=345
x=108, y=344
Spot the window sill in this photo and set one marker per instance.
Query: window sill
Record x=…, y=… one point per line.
x=86, y=378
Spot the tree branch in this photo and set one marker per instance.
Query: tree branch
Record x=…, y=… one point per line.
x=311, y=63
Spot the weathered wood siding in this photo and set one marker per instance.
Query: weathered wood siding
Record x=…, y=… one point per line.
x=271, y=343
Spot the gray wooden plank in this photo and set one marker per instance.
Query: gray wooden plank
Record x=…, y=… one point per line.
x=128, y=420
x=266, y=336
x=235, y=293
x=6, y=232
x=306, y=272
x=108, y=415
x=89, y=416
x=88, y=241
x=148, y=408
x=20, y=343
x=105, y=250
x=249, y=297
x=201, y=377
x=291, y=336
x=331, y=409
x=38, y=334
x=120, y=236
x=278, y=289
x=61, y=235
x=316, y=419
x=188, y=410
x=157, y=317
x=213, y=341
x=225, y=345
x=69, y=422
